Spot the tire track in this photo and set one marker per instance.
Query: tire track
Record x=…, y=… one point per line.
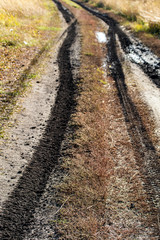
x=18, y=210
x=68, y=16
x=144, y=150
x=135, y=50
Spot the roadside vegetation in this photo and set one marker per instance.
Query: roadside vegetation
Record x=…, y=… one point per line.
x=141, y=15
x=27, y=27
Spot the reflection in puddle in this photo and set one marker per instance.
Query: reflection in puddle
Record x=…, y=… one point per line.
x=101, y=37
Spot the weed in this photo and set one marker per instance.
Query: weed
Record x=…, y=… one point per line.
x=9, y=43
x=31, y=75
x=72, y=4
x=151, y=28
x=85, y=183
x=103, y=82
x=145, y=15
x=154, y=28
x=2, y=134
x=129, y=16
x=88, y=54
x=46, y=28
x=107, y=7
x=100, y=4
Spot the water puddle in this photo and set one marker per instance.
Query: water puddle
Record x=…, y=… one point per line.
x=101, y=37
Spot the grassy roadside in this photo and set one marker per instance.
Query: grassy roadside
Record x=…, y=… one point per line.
x=143, y=28
x=26, y=30
x=141, y=16
x=98, y=198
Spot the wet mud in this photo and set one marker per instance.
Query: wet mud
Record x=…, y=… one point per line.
x=134, y=49
x=144, y=150
x=18, y=210
x=68, y=16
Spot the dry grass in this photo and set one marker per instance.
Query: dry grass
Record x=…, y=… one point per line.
x=26, y=28
x=84, y=187
x=145, y=14
x=23, y=7
x=149, y=9
x=101, y=195
x=102, y=181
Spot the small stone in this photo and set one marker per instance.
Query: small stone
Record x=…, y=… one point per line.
x=132, y=206
x=33, y=127
x=13, y=177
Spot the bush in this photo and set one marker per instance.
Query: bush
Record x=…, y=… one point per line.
x=154, y=28
x=100, y=5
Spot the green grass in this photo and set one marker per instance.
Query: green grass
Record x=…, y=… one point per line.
x=132, y=16
x=151, y=28
x=129, y=16
x=72, y=4
x=46, y=28
x=88, y=54
x=100, y=5
x=154, y=28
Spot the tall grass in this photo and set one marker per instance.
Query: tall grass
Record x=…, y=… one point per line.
x=148, y=9
x=22, y=21
x=144, y=13
x=22, y=7
x=27, y=27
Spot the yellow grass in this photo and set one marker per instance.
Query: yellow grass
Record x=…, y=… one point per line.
x=141, y=15
x=148, y=9
x=23, y=7
x=22, y=21
x=26, y=28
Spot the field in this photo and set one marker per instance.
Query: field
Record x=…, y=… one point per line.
x=148, y=9
x=144, y=14
x=26, y=28
x=23, y=7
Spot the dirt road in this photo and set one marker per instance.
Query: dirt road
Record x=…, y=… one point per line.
x=32, y=157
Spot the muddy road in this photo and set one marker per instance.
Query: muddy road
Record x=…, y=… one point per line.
x=150, y=64
x=27, y=194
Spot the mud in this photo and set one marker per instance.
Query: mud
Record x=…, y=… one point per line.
x=68, y=16
x=19, y=209
x=144, y=150
x=30, y=210
x=43, y=225
x=135, y=50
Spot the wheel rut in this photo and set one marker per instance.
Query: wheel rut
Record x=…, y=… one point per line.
x=135, y=50
x=68, y=16
x=19, y=209
x=144, y=150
